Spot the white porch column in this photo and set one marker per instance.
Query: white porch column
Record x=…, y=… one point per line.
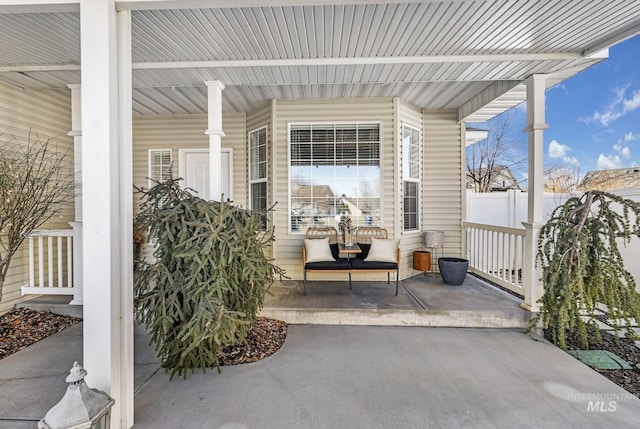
x=107, y=215
x=536, y=125
x=214, y=93
x=76, y=133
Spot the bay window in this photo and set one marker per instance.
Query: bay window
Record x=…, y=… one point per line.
x=334, y=172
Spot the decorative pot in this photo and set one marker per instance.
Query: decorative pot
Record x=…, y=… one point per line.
x=421, y=260
x=453, y=270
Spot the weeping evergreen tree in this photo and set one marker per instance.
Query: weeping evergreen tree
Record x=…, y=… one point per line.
x=581, y=265
x=209, y=278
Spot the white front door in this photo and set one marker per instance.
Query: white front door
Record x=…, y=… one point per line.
x=194, y=170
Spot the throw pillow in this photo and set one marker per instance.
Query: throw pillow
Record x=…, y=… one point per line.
x=383, y=250
x=365, y=250
x=318, y=250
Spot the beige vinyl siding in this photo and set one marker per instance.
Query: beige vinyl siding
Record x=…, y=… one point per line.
x=443, y=172
x=289, y=245
x=186, y=131
x=164, y=132
x=47, y=113
x=411, y=240
x=234, y=127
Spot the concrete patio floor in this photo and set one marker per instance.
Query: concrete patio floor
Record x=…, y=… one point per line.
x=327, y=375
x=421, y=301
x=346, y=377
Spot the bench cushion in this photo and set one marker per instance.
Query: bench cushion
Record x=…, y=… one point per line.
x=383, y=250
x=361, y=264
x=338, y=264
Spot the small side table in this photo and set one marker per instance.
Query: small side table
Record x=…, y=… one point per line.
x=349, y=250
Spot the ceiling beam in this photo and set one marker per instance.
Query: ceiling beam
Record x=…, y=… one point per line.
x=39, y=6
x=301, y=62
x=337, y=61
x=40, y=68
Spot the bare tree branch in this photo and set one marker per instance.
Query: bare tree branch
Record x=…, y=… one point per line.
x=35, y=184
x=496, y=157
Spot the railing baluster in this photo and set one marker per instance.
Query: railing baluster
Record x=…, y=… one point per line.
x=70, y=260
x=50, y=260
x=40, y=261
x=60, y=256
x=32, y=263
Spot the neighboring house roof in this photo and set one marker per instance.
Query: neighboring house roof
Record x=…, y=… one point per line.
x=463, y=55
x=305, y=192
x=603, y=180
x=502, y=179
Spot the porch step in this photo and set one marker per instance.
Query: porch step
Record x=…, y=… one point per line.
x=391, y=317
x=56, y=304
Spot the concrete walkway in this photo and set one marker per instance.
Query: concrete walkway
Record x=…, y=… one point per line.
x=394, y=371
x=347, y=377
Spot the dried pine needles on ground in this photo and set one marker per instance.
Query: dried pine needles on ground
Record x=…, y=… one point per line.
x=263, y=339
x=22, y=327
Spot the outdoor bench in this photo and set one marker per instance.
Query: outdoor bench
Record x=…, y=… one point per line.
x=321, y=253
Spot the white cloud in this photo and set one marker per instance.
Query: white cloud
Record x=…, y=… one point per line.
x=622, y=150
x=608, y=162
x=633, y=103
x=557, y=150
x=618, y=107
x=629, y=137
x=572, y=160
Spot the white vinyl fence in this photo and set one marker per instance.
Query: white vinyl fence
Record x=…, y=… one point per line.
x=507, y=208
x=497, y=210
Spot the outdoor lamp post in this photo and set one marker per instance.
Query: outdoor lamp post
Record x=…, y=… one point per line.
x=81, y=407
x=434, y=240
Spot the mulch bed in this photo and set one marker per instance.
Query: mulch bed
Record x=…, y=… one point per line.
x=22, y=327
x=263, y=339
x=628, y=379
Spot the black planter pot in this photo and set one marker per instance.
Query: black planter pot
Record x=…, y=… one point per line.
x=453, y=270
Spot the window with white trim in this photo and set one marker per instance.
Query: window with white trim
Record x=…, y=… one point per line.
x=258, y=170
x=334, y=172
x=411, y=177
x=159, y=165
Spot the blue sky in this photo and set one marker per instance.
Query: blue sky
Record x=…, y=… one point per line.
x=594, y=117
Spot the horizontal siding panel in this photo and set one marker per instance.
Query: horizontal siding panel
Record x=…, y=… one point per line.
x=48, y=114
x=442, y=205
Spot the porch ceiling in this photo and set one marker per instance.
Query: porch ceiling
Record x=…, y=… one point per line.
x=466, y=55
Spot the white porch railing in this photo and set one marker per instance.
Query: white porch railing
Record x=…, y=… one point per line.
x=50, y=266
x=495, y=253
